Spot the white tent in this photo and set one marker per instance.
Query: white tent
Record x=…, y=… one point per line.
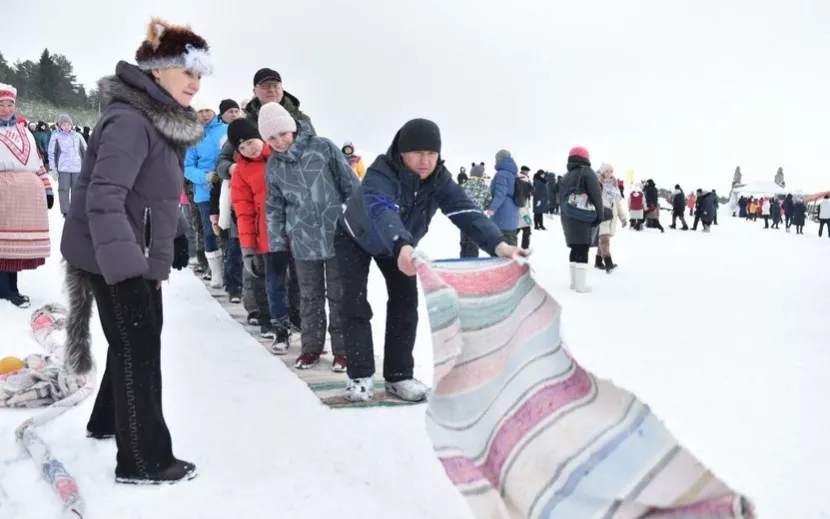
x=762, y=188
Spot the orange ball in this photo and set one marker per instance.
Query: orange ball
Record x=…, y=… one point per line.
x=10, y=365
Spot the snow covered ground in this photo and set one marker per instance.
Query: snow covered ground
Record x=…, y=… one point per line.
x=725, y=335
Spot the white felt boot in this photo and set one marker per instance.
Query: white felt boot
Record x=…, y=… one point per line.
x=217, y=268
x=581, y=278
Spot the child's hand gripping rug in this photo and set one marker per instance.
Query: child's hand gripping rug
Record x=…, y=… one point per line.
x=524, y=431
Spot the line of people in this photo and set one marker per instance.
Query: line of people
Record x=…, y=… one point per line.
x=791, y=209
x=296, y=198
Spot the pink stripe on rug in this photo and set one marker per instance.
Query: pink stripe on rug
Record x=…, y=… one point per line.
x=486, y=282
x=545, y=403
x=476, y=373
x=726, y=506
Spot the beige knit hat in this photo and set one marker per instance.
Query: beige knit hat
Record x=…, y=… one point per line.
x=274, y=119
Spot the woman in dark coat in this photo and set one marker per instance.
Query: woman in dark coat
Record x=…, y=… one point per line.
x=123, y=233
x=652, y=205
x=799, y=214
x=789, y=210
x=579, y=235
x=706, y=209
x=540, y=200
x=775, y=211
x=553, y=193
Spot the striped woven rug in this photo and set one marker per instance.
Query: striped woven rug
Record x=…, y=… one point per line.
x=321, y=380
x=524, y=431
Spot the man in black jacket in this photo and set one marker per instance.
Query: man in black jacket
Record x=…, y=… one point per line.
x=678, y=208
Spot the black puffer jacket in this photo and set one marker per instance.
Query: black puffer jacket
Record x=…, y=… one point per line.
x=580, y=172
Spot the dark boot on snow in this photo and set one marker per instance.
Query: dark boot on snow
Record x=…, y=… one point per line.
x=598, y=262
x=609, y=265
x=176, y=473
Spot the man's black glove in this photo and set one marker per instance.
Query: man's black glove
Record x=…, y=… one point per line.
x=253, y=263
x=50, y=201
x=181, y=252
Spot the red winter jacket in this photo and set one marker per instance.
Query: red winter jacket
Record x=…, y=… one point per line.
x=636, y=201
x=248, y=190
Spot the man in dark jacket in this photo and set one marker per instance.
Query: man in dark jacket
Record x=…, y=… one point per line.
x=384, y=220
x=678, y=208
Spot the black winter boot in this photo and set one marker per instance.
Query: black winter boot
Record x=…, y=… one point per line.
x=609, y=265
x=598, y=262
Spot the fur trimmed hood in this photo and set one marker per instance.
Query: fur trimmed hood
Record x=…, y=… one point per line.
x=131, y=85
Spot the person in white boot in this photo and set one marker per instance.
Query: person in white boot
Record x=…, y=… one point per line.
x=580, y=199
x=200, y=169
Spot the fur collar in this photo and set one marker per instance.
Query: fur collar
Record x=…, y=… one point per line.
x=175, y=123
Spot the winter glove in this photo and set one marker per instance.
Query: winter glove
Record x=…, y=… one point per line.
x=253, y=263
x=181, y=252
x=50, y=200
x=212, y=177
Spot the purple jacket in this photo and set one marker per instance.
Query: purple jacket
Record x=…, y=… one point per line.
x=125, y=205
x=66, y=151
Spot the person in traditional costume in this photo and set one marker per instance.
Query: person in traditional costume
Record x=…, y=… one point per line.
x=25, y=198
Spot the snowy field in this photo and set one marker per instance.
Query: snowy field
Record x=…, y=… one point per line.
x=725, y=335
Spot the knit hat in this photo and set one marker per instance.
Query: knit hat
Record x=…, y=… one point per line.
x=477, y=171
x=419, y=135
x=579, y=151
x=173, y=46
x=240, y=131
x=501, y=155
x=525, y=169
x=347, y=145
x=226, y=105
x=605, y=167
x=8, y=93
x=63, y=119
x=274, y=119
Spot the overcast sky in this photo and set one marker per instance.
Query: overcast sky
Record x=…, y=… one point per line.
x=681, y=91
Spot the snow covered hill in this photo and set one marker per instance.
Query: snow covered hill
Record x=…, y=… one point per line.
x=725, y=335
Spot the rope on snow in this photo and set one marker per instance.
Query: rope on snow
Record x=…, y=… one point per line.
x=45, y=321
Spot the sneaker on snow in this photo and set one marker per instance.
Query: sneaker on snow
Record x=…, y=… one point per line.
x=307, y=360
x=235, y=298
x=410, y=390
x=339, y=364
x=281, y=341
x=267, y=331
x=253, y=320
x=360, y=389
x=176, y=473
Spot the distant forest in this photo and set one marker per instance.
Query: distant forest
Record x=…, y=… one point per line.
x=49, y=80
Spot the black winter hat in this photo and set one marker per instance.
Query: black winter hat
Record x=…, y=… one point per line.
x=242, y=130
x=419, y=135
x=226, y=105
x=266, y=73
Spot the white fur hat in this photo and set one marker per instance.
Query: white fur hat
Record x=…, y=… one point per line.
x=274, y=119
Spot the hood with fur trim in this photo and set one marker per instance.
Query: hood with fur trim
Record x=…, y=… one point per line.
x=131, y=85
